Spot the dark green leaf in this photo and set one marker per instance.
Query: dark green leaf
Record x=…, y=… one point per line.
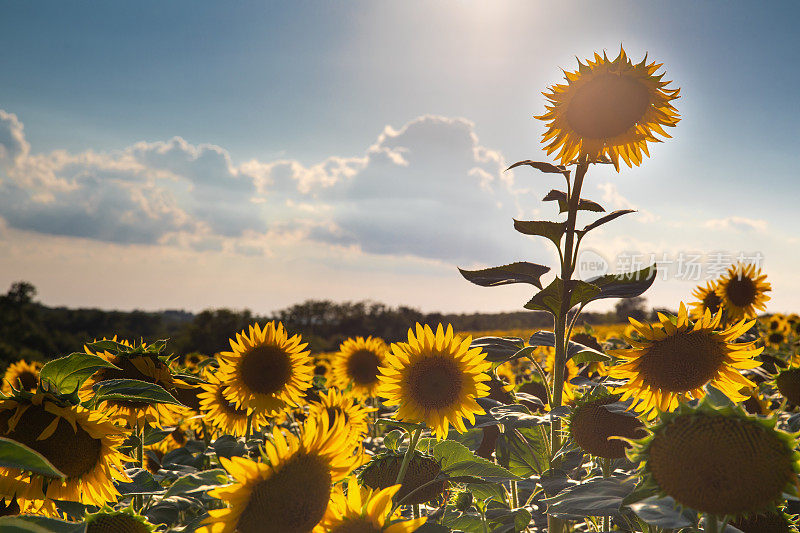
x=457, y=460
x=520, y=272
x=67, y=374
x=228, y=446
x=14, y=454
x=523, y=451
x=608, y=218
x=142, y=482
x=542, y=166
x=199, y=482
x=549, y=299
x=393, y=439
x=662, y=512
x=543, y=228
x=132, y=390
x=498, y=349
x=594, y=497
x=38, y=524
x=563, y=206
x=624, y=285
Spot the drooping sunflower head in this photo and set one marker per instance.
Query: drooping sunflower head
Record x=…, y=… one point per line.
x=290, y=487
x=224, y=415
x=597, y=430
x=435, y=378
x=334, y=404
x=381, y=473
x=675, y=360
x=356, y=364
x=362, y=510
x=708, y=300
x=773, y=521
x=608, y=109
x=743, y=291
x=80, y=443
x=788, y=383
x=21, y=376
x=719, y=460
x=126, y=520
x=266, y=370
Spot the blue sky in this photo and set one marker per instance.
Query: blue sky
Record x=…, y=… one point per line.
x=253, y=154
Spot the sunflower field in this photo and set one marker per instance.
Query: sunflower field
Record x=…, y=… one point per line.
x=686, y=424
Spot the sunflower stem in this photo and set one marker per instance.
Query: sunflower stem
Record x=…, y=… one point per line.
x=138, y=500
x=711, y=524
x=413, y=440
x=514, y=495
x=249, y=426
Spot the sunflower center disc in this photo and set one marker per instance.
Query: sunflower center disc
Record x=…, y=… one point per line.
x=741, y=291
x=73, y=453
x=435, y=382
x=27, y=380
x=295, y=497
x=720, y=465
x=359, y=525
x=116, y=524
x=362, y=366
x=607, y=105
x=712, y=302
x=266, y=369
x=681, y=362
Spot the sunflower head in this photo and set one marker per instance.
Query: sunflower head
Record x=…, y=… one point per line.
x=363, y=510
x=21, y=376
x=597, y=430
x=743, y=291
x=608, y=109
x=788, y=384
x=356, y=365
x=381, y=473
x=707, y=300
x=675, y=359
x=334, y=404
x=435, y=378
x=221, y=413
x=719, y=460
x=126, y=520
x=774, y=521
x=266, y=370
x=775, y=339
x=192, y=361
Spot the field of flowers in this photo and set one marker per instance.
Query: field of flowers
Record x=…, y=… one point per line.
x=685, y=424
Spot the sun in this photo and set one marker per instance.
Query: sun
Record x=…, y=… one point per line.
x=675, y=361
x=291, y=486
x=266, y=370
x=356, y=365
x=743, y=291
x=435, y=379
x=608, y=109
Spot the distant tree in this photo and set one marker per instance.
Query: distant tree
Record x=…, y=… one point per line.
x=631, y=307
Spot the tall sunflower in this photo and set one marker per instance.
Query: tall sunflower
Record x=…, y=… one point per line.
x=21, y=376
x=266, y=370
x=435, y=379
x=743, y=291
x=290, y=487
x=357, y=363
x=363, y=510
x=708, y=299
x=221, y=413
x=674, y=361
x=80, y=443
x=608, y=109
x=334, y=404
x=718, y=460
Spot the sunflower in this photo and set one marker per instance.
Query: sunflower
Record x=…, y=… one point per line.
x=80, y=443
x=143, y=367
x=708, y=299
x=418, y=487
x=608, y=109
x=435, y=379
x=267, y=370
x=597, y=430
x=335, y=405
x=777, y=322
x=192, y=360
x=674, y=361
x=21, y=376
x=570, y=371
x=224, y=415
x=743, y=291
x=364, y=511
x=773, y=521
x=357, y=363
x=775, y=339
x=177, y=438
x=126, y=520
x=718, y=461
x=291, y=487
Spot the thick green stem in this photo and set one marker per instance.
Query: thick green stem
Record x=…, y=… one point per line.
x=711, y=524
x=514, y=495
x=249, y=427
x=413, y=440
x=138, y=500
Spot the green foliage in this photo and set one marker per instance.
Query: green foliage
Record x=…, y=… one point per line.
x=14, y=454
x=67, y=374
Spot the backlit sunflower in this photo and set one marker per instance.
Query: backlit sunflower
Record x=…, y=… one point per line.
x=435, y=379
x=290, y=487
x=708, y=299
x=363, y=510
x=334, y=404
x=718, y=460
x=193, y=360
x=80, y=443
x=674, y=362
x=219, y=412
x=21, y=376
x=596, y=429
x=141, y=366
x=608, y=109
x=743, y=291
x=571, y=371
x=126, y=520
x=775, y=339
x=267, y=370
x=357, y=362
x=177, y=438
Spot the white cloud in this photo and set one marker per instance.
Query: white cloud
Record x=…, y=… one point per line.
x=735, y=223
x=613, y=199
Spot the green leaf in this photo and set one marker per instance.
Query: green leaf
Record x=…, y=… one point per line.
x=541, y=166
x=38, y=524
x=543, y=228
x=199, y=482
x=14, y=454
x=549, y=299
x=624, y=285
x=457, y=460
x=498, y=520
x=520, y=272
x=523, y=451
x=393, y=439
x=663, y=512
x=67, y=374
x=132, y=390
x=608, y=218
x=499, y=349
x=594, y=497
x=563, y=206
x=142, y=482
